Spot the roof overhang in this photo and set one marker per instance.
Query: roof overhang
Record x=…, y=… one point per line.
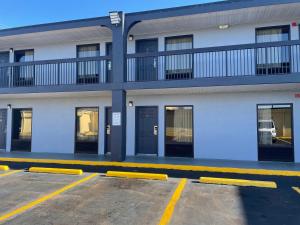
x=176, y=21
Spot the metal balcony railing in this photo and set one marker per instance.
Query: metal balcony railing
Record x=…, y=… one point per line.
x=276, y=58
x=79, y=71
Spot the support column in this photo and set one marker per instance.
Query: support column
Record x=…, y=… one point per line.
x=118, y=129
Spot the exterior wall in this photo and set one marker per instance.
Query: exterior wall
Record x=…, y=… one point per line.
x=212, y=113
x=53, y=125
x=60, y=50
x=53, y=121
x=235, y=35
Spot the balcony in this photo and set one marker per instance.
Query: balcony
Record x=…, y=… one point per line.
x=266, y=63
x=61, y=72
x=226, y=62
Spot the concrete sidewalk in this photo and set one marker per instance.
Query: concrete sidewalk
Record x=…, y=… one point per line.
x=159, y=160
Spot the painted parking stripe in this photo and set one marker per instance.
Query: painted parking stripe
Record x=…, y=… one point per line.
x=133, y=175
x=166, y=217
x=44, y=198
x=10, y=173
x=157, y=166
x=238, y=182
x=296, y=189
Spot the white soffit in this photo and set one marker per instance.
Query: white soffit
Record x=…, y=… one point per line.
x=255, y=15
x=55, y=37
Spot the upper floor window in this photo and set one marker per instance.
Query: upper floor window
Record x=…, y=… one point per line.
x=24, y=56
x=23, y=75
x=179, y=66
x=273, y=34
x=88, y=70
x=179, y=43
x=91, y=50
x=273, y=60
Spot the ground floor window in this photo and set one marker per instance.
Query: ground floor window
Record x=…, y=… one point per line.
x=87, y=130
x=179, y=131
x=275, y=132
x=21, y=130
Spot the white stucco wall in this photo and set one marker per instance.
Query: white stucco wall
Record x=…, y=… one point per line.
x=225, y=124
x=61, y=50
x=53, y=121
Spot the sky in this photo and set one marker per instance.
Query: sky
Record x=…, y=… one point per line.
x=16, y=13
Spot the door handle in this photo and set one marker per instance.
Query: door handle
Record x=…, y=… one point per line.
x=155, y=130
x=108, y=129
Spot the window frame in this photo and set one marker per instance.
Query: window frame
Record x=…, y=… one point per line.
x=193, y=127
x=192, y=55
x=87, y=45
x=257, y=125
x=75, y=128
x=272, y=27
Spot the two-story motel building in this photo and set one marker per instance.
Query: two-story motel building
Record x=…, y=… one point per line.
x=211, y=81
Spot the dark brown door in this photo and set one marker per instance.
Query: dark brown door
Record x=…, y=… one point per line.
x=146, y=130
x=147, y=66
x=108, y=113
x=109, y=63
x=3, y=127
x=4, y=71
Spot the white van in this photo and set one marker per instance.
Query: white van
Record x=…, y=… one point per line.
x=267, y=128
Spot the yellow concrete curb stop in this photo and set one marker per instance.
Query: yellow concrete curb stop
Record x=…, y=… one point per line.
x=238, y=182
x=55, y=171
x=4, y=167
x=149, y=176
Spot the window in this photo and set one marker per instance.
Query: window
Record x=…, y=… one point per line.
x=275, y=133
x=87, y=130
x=88, y=70
x=179, y=66
x=23, y=75
x=21, y=129
x=179, y=131
x=273, y=60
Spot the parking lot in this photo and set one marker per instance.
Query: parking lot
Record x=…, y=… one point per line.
x=92, y=198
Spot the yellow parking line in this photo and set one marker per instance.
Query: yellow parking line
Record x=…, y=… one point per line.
x=238, y=182
x=149, y=176
x=10, y=173
x=44, y=198
x=165, y=219
x=296, y=189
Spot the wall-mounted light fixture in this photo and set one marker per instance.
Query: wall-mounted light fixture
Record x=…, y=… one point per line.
x=11, y=50
x=130, y=37
x=8, y=106
x=130, y=103
x=115, y=18
x=224, y=26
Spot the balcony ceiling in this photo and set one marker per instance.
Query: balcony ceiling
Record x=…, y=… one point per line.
x=255, y=15
x=54, y=37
